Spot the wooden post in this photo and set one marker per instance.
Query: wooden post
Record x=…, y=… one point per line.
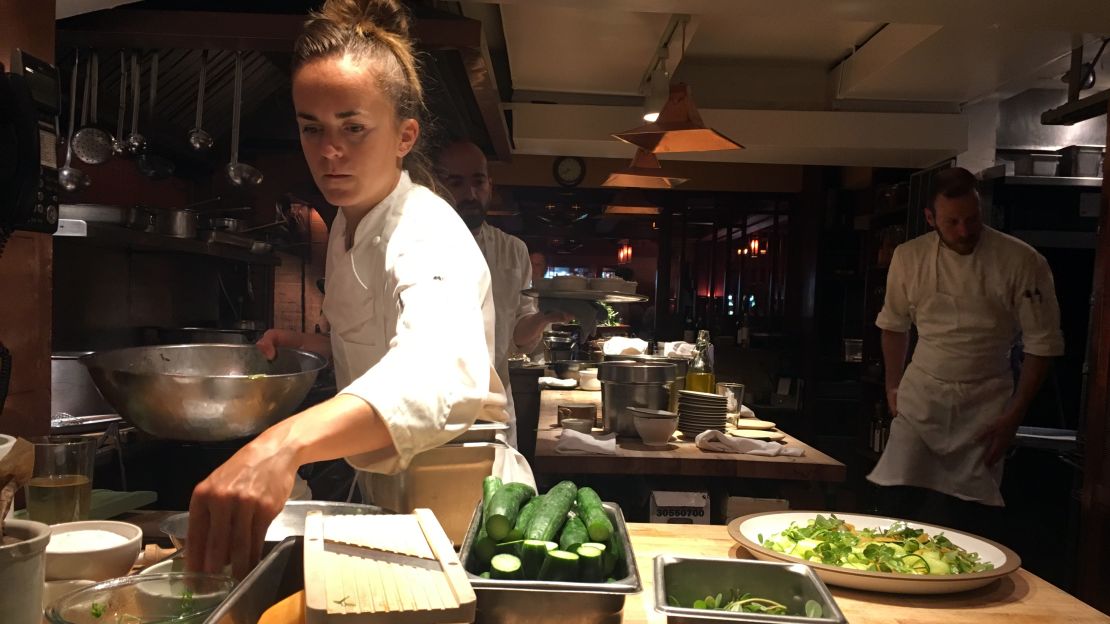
x=1094, y=575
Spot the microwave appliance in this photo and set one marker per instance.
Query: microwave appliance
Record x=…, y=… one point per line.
x=29, y=104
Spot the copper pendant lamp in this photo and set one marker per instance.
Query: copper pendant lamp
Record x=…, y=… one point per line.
x=679, y=128
x=644, y=172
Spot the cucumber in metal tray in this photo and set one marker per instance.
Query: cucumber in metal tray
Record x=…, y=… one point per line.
x=574, y=534
x=523, y=519
x=552, y=512
x=504, y=507
x=593, y=515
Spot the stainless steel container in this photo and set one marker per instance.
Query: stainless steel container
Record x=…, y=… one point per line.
x=568, y=369
x=422, y=484
x=633, y=384
x=203, y=393
x=547, y=602
x=687, y=579
x=680, y=363
x=72, y=390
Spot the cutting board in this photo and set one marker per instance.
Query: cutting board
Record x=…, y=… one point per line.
x=372, y=569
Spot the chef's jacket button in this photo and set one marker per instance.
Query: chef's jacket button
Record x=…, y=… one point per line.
x=376, y=240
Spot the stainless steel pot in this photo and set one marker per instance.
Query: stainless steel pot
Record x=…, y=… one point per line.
x=633, y=384
x=72, y=390
x=681, y=364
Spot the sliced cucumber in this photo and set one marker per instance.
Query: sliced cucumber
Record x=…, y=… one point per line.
x=532, y=554
x=559, y=565
x=590, y=564
x=505, y=566
x=504, y=507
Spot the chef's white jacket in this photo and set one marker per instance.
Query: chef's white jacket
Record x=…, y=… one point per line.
x=968, y=309
x=412, y=323
x=511, y=272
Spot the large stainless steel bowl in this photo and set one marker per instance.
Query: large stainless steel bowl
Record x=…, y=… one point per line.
x=203, y=392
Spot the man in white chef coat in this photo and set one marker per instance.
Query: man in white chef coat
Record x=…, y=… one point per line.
x=462, y=169
x=971, y=291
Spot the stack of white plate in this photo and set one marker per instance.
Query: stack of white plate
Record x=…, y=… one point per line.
x=698, y=411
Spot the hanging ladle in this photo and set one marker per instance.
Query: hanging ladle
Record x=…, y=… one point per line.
x=150, y=164
x=240, y=174
x=198, y=138
x=92, y=145
x=136, y=142
x=71, y=178
x=119, y=143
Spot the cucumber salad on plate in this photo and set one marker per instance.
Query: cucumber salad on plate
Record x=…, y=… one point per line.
x=898, y=549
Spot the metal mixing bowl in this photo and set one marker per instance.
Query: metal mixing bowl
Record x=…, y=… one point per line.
x=203, y=392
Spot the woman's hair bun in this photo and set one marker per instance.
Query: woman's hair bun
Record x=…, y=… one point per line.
x=366, y=16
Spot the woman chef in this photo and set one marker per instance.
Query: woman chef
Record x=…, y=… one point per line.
x=408, y=298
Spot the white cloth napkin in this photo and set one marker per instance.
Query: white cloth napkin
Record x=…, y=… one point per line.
x=713, y=440
x=620, y=345
x=559, y=384
x=746, y=412
x=678, y=349
x=575, y=443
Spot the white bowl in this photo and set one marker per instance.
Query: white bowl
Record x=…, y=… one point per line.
x=655, y=431
x=69, y=557
x=569, y=282
x=587, y=379
x=609, y=284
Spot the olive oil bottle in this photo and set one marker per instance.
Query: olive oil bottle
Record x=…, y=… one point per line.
x=699, y=375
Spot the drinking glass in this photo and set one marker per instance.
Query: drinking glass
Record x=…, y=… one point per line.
x=60, y=488
x=734, y=392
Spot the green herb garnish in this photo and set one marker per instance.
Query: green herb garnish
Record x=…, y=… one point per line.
x=186, y=602
x=97, y=610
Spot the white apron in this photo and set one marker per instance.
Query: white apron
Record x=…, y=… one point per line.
x=945, y=401
x=367, y=328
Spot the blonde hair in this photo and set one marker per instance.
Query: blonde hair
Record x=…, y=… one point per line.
x=375, y=32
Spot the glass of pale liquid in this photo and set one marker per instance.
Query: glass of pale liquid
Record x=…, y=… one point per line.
x=60, y=488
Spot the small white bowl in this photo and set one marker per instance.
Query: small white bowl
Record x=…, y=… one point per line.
x=587, y=379
x=655, y=431
x=569, y=282
x=67, y=560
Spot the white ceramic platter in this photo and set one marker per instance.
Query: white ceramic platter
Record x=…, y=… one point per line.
x=747, y=529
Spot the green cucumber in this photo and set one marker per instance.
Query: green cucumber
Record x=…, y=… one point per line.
x=524, y=518
x=505, y=567
x=510, y=548
x=490, y=485
x=559, y=565
x=594, y=515
x=597, y=545
x=552, y=512
x=504, y=507
x=590, y=564
x=614, y=555
x=574, y=534
x=532, y=554
x=484, y=547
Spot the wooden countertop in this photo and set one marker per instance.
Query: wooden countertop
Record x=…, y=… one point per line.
x=679, y=458
x=1018, y=599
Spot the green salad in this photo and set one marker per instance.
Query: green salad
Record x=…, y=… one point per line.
x=741, y=602
x=898, y=549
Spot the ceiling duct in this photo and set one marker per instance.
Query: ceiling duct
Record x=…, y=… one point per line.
x=644, y=172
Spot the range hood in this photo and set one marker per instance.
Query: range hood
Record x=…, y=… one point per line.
x=459, y=81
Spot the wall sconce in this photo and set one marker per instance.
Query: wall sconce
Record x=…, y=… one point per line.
x=624, y=253
x=755, y=247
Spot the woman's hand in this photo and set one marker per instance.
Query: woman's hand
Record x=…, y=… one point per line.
x=231, y=510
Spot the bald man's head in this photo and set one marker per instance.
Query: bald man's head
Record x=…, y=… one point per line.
x=463, y=171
